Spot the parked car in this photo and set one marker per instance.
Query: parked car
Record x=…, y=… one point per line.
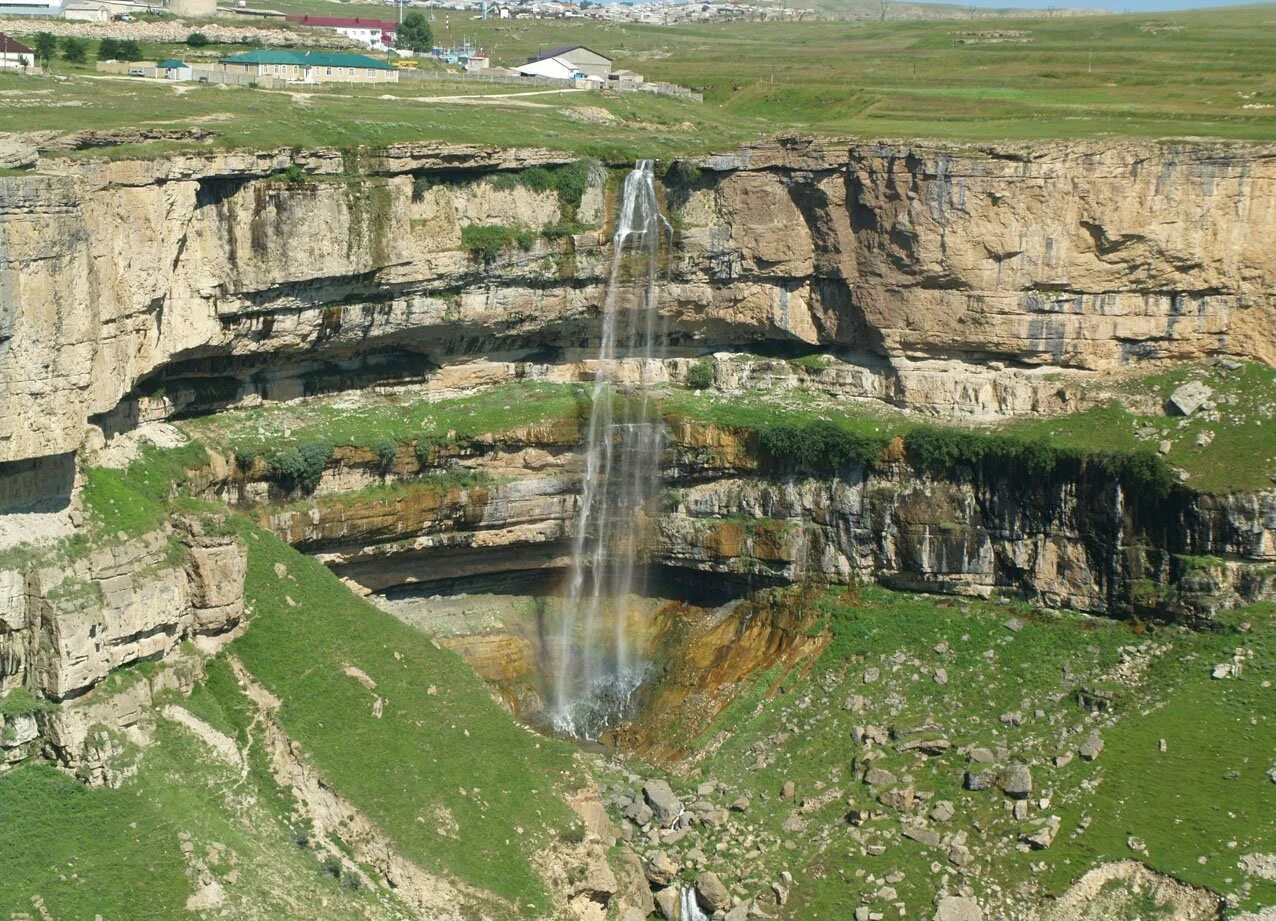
x=136, y=72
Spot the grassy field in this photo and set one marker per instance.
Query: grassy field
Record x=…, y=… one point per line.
x=246, y=118
x=1241, y=450
x=1196, y=74
x=1208, y=787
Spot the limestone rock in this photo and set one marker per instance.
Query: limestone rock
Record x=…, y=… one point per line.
x=1187, y=399
x=711, y=893
x=1017, y=781
x=663, y=802
x=660, y=869
x=958, y=908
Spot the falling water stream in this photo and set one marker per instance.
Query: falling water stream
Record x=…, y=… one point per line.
x=597, y=671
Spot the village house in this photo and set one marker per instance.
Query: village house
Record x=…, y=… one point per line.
x=32, y=8
x=14, y=55
x=311, y=66
x=568, y=62
x=173, y=69
x=86, y=12
x=377, y=34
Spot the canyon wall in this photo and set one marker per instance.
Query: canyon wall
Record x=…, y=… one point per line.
x=1081, y=540
x=81, y=633
x=134, y=290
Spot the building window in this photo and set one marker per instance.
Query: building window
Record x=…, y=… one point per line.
x=328, y=71
x=371, y=72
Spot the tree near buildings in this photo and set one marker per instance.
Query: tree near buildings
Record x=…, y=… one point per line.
x=415, y=33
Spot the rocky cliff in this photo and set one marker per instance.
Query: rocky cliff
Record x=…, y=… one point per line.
x=1074, y=538
x=67, y=629
x=133, y=290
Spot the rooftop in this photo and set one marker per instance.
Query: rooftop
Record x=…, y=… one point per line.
x=559, y=52
x=344, y=22
x=12, y=46
x=307, y=59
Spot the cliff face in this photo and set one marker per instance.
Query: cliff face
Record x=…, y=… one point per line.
x=66, y=629
x=1082, y=541
x=135, y=290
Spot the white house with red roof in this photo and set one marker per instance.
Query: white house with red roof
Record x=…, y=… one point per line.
x=14, y=55
x=376, y=34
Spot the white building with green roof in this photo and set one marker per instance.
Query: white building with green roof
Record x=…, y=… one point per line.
x=311, y=66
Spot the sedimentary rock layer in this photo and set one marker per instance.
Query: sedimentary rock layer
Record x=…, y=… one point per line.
x=139, y=289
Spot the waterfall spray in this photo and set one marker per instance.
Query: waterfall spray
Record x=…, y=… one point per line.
x=597, y=673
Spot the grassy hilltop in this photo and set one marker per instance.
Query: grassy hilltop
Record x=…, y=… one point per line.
x=1209, y=74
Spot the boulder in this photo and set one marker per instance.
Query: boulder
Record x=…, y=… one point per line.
x=920, y=833
x=664, y=804
x=1188, y=398
x=876, y=777
x=711, y=893
x=1091, y=747
x=942, y=811
x=1044, y=836
x=669, y=904
x=1017, y=781
x=660, y=869
x=639, y=813
x=958, y=908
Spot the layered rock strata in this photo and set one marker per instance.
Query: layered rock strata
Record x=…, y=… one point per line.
x=67, y=630
x=1082, y=541
x=134, y=290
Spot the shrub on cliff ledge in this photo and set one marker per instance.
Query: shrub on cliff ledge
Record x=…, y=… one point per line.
x=302, y=466
x=700, y=377
x=818, y=445
x=487, y=241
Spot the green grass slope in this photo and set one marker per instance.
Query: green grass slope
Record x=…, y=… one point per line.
x=444, y=771
x=185, y=819
x=1198, y=806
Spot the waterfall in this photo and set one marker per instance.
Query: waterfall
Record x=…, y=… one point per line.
x=688, y=908
x=597, y=673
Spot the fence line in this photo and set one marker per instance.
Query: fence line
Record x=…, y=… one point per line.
x=660, y=89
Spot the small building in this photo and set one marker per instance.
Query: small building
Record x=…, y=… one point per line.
x=81, y=11
x=14, y=55
x=311, y=66
x=377, y=34
x=566, y=62
x=173, y=69
x=477, y=62
x=624, y=76
x=44, y=8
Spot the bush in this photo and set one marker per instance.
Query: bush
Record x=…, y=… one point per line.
x=682, y=173
x=818, y=445
x=75, y=50
x=130, y=50
x=487, y=241
x=294, y=175
x=421, y=184
x=197, y=40
x=700, y=377
x=108, y=49
x=567, y=182
x=386, y=451
x=302, y=467
x=244, y=459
